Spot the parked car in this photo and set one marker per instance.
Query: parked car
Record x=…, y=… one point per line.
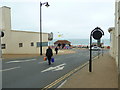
x=95, y=48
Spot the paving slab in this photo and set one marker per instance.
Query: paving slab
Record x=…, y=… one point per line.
x=104, y=75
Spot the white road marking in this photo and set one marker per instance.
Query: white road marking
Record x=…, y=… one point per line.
x=41, y=62
x=59, y=68
x=62, y=84
x=12, y=61
x=21, y=61
x=56, y=68
x=9, y=69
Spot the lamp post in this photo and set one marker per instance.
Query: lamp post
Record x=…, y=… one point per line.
x=97, y=33
x=47, y=5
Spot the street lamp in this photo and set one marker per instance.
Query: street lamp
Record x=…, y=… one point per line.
x=47, y=5
x=97, y=33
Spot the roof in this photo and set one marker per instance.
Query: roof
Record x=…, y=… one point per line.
x=27, y=31
x=111, y=29
x=5, y=7
x=62, y=42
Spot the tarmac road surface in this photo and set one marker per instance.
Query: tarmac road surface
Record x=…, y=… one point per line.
x=36, y=73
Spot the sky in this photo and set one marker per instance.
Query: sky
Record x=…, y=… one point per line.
x=73, y=19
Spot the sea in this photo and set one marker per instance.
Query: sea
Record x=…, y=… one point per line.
x=106, y=42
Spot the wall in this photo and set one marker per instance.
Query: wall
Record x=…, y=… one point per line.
x=117, y=28
x=5, y=18
x=118, y=40
x=112, y=42
x=16, y=37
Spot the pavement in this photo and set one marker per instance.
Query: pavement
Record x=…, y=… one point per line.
x=104, y=75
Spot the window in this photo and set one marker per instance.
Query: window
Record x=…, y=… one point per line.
x=43, y=44
x=38, y=44
x=3, y=46
x=32, y=44
x=20, y=44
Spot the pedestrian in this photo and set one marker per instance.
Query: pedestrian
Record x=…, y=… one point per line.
x=56, y=50
x=63, y=45
x=49, y=54
x=59, y=45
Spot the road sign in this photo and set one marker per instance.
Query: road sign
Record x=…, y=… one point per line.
x=97, y=35
x=2, y=34
x=50, y=36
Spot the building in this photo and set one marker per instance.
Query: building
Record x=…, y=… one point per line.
x=62, y=42
x=115, y=38
x=19, y=42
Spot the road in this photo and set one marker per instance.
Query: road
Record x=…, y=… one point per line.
x=36, y=73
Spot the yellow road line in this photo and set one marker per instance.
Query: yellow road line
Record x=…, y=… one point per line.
x=56, y=81
x=65, y=76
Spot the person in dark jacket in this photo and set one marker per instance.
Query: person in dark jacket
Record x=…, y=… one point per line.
x=56, y=50
x=59, y=45
x=49, y=54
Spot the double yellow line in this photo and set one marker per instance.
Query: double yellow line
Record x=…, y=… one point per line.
x=63, y=77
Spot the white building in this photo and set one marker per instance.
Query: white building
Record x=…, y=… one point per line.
x=19, y=42
x=115, y=38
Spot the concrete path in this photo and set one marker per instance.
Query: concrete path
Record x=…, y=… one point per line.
x=103, y=75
